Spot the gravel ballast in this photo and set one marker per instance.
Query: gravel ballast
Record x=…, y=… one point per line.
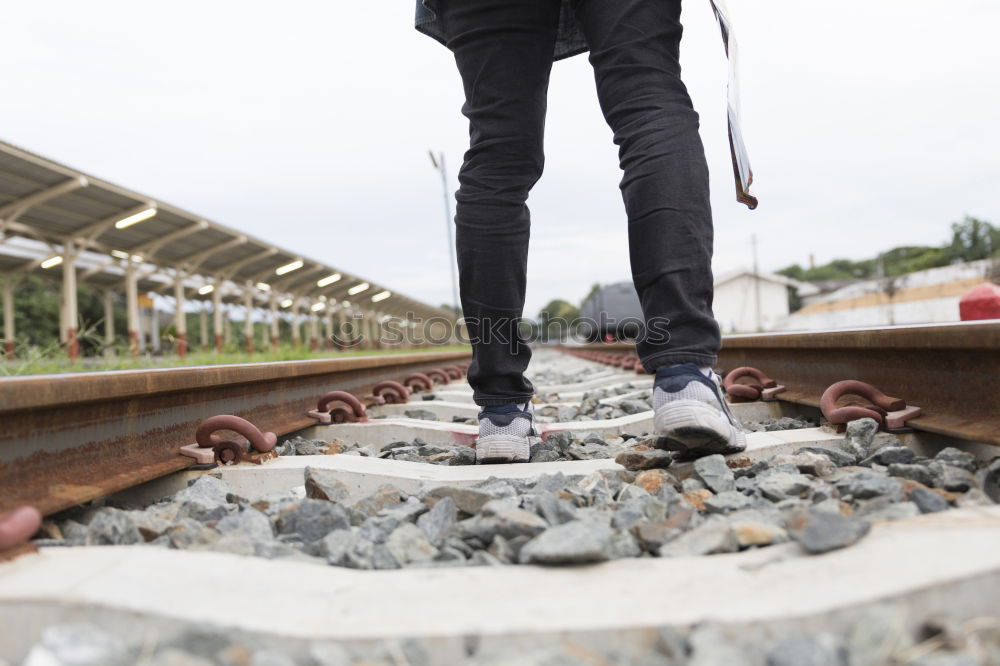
x=878, y=636
x=812, y=499
x=821, y=500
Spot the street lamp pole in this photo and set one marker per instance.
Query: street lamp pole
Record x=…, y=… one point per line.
x=439, y=164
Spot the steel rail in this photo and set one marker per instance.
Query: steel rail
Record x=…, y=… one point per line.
x=66, y=439
x=951, y=371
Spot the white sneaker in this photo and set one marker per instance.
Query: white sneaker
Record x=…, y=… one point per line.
x=504, y=434
x=691, y=416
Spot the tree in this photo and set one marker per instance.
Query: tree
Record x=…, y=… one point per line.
x=973, y=239
x=794, y=272
x=594, y=288
x=555, y=319
x=36, y=315
x=36, y=311
x=558, y=309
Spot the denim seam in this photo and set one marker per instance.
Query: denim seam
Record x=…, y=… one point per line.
x=651, y=363
x=493, y=400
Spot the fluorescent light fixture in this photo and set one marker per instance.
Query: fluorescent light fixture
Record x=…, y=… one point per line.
x=316, y=307
x=358, y=288
x=328, y=280
x=141, y=216
x=287, y=303
x=207, y=289
x=345, y=304
x=381, y=296
x=118, y=254
x=52, y=261
x=322, y=298
x=288, y=268
x=137, y=258
x=263, y=286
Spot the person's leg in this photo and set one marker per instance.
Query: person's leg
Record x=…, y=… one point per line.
x=634, y=49
x=503, y=49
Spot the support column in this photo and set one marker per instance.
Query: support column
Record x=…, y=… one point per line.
x=203, y=325
x=359, y=326
x=329, y=329
x=248, y=323
x=418, y=334
x=217, y=317
x=358, y=334
x=132, y=307
x=342, y=332
x=366, y=326
x=8, y=318
x=275, y=330
x=109, y=323
x=180, y=318
x=227, y=326
x=70, y=311
x=62, y=315
x=154, y=326
x=296, y=333
x=375, y=329
x=313, y=330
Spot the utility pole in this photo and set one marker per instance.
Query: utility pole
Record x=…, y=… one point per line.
x=756, y=282
x=439, y=164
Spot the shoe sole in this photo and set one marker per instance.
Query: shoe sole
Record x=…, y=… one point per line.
x=694, y=429
x=497, y=449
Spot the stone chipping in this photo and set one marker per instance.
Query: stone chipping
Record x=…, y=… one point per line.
x=635, y=451
x=880, y=635
x=821, y=499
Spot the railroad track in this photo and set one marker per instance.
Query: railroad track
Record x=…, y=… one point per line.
x=804, y=542
x=71, y=438
x=952, y=371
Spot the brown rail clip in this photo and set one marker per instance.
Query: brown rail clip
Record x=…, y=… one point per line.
x=228, y=451
x=418, y=381
x=891, y=413
x=326, y=416
x=391, y=392
x=438, y=375
x=372, y=400
x=761, y=387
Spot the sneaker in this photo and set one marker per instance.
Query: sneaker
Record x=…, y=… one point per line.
x=503, y=434
x=690, y=414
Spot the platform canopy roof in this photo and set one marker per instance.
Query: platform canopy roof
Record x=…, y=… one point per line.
x=47, y=208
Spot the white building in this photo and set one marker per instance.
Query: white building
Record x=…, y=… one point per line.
x=922, y=297
x=745, y=303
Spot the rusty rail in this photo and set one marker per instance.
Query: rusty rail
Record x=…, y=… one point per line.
x=66, y=439
x=951, y=371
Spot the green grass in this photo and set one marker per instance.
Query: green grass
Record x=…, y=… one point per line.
x=37, y=361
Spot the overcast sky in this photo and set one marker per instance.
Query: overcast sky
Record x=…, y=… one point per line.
x=870, y=124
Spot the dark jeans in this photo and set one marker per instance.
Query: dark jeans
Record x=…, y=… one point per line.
x=504, y=51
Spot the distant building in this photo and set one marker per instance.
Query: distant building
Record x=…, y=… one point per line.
x=735, y=305
x=922, y=297
x=745, y=302
x=823, y=288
